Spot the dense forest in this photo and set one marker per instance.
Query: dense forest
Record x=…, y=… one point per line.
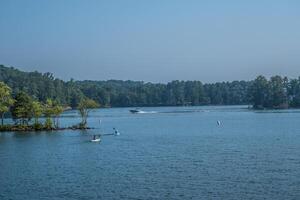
x=277, y=92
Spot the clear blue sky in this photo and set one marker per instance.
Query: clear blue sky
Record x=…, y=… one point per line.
x=152, y=40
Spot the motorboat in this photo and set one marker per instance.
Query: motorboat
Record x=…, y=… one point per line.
x=135, y=111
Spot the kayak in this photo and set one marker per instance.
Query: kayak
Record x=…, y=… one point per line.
x=96, y=140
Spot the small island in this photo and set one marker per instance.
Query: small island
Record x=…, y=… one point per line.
x=26, y=112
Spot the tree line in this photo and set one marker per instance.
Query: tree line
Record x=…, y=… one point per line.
x=276, y=92
x=176, y=93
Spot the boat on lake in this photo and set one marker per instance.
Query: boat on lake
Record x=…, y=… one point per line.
x=116, y=132
x=138, y=111
x=135, y=111
x=96, y=138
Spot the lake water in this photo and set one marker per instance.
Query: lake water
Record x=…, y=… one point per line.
x=165, y=153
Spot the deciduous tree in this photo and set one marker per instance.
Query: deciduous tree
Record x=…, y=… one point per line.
x=84, y=107
x=5, y=100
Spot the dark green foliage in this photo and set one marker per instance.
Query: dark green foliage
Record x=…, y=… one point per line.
x=22, y=109
x=38, y=126
x=259, y=92
x=294, y=92
x=176, y=93
x=124, y=93
x=40, y=86
x=5, y=100
x=277, y=92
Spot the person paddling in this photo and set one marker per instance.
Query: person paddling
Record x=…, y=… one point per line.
x=116, y=132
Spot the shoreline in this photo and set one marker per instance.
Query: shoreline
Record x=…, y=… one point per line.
x=29, y=128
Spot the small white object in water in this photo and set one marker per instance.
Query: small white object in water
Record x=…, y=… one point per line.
x=219, y=123
x=116, y=132
x=96, y=140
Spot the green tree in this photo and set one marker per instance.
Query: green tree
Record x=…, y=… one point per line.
x=84, y=108
x=22, y=108
x=259, y=92
x=278, y=92
x=56, y=111
x=48, y=112
x=5, y=100
x=52, y=109
x=37, y=111
x=294, y=92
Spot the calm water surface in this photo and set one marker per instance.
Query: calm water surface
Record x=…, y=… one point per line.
x=166, y=153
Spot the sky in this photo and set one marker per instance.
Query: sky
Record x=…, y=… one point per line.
x=152, y=40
